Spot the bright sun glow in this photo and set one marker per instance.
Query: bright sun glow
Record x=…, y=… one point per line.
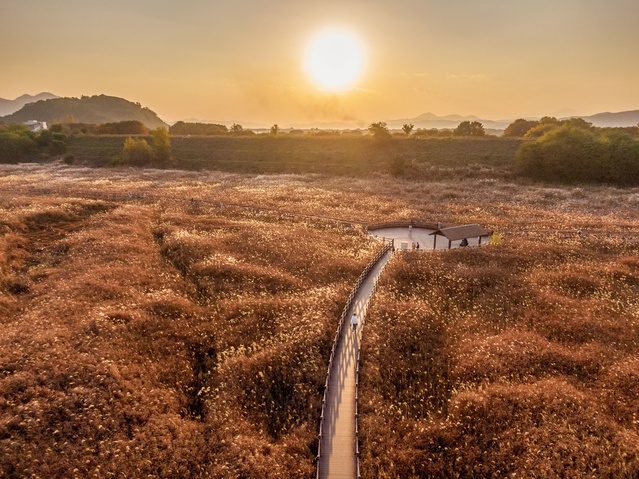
x=334, y=59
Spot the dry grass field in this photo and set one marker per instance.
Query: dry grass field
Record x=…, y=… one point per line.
x=517, y=359
x=152, y=337
x=146, y=334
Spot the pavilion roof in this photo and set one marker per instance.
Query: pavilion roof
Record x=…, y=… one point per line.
x=460, y=232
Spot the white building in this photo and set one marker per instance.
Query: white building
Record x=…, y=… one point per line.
x=35, y=125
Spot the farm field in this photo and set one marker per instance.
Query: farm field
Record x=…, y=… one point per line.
x=358, y=156
x=161, y=323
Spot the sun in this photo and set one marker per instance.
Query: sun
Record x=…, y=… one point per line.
x=334, y=59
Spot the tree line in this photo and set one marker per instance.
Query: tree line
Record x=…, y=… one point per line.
x=182, y=128
x=559, y=151
x=18, y=143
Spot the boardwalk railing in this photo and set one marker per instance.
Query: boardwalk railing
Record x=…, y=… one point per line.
x=404, y=224
x=342, y=321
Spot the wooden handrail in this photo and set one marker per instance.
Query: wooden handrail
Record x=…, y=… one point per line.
x=340, y=326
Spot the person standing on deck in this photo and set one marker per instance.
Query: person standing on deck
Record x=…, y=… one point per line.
x=354, y=321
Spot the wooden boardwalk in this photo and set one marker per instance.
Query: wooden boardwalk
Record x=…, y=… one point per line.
x=338, y=442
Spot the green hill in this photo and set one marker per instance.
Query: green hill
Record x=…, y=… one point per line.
x=96, y=109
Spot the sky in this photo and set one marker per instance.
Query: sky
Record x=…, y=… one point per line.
x=240, y=60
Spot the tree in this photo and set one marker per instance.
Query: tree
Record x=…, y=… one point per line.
x=621, y=157
x=204, y=129
x=407, y=128
x=54, y=143
x=549, y=120
x=161, y=144
x=127, y=127
x=238, y=130
x=519, y=127
x=136, y=152
x=467, y=128
x=540, y=129
x=379, y=131
x=565, y=154
x=578, y=123
x=423, y=132
x=275, y=129
x=17, y=143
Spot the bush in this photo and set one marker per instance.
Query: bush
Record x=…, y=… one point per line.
x=519, y=127
x=161, y=144
x=207, y=129
x=398, y=166
x=136, y=152
x=380, y=132
x=129, y=127
x=17, y=143
x=426, y=133
x=574, y=152
x=467, y=128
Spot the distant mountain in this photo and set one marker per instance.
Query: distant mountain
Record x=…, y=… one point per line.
x=622, y=118
x=11, y=106
x=88, y=109
x=430, y=120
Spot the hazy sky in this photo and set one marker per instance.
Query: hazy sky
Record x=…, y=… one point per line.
x=242, y=60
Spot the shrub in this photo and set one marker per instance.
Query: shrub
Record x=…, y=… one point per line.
x=519, y=128
x=468, y=128
x=208, y=129
x=573, y=152
x=136, y=152
x=380, y=132
x=161, y=144
x=127, y=127
x=398, y=166
x=17, y=143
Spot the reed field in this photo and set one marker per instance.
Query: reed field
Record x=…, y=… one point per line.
x=146, y=336
x=165, y=323
x=516, y=359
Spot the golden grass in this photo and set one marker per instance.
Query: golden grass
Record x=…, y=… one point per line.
x=515, y=359
x=148, y=335
x=151, y=339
